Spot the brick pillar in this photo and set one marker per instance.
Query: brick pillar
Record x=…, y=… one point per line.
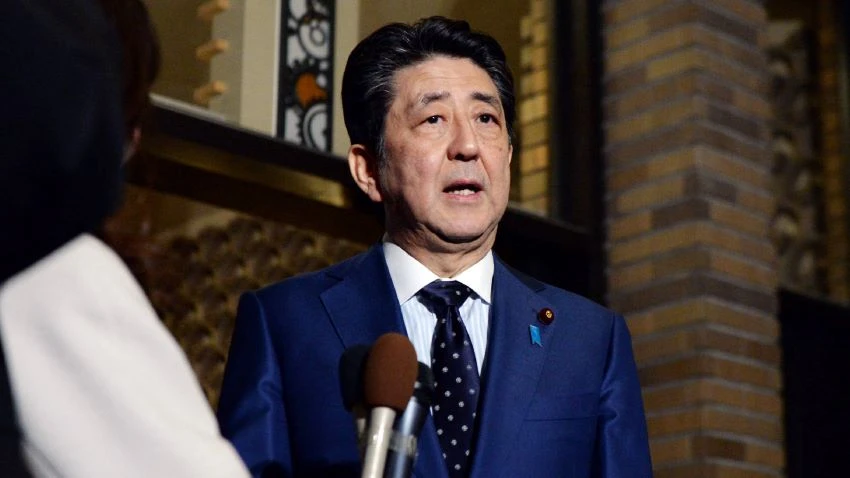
x=532, y=173
x=687, y=173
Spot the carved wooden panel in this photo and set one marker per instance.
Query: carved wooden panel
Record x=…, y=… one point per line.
x=195, y=281
x=796, y=227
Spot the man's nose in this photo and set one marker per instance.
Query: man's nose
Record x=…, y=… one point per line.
x=464, y=145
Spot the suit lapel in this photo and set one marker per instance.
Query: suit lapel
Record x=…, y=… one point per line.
x=362, y=306
x=512, y=369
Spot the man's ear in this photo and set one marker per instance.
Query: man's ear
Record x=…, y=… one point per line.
x=364, y=169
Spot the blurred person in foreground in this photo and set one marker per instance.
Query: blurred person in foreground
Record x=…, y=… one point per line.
x=547, y=383
x=96, y=385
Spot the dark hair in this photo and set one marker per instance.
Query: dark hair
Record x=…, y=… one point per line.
x=367, y=84
x=140, y=55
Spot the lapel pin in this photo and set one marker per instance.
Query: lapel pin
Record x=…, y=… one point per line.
x=546, y=316
x=535, y=335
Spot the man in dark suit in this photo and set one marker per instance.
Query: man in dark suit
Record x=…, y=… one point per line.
x=429, y=109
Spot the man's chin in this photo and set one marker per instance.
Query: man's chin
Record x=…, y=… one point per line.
x=461, y=238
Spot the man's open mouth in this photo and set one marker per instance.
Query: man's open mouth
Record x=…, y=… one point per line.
x=463, y=188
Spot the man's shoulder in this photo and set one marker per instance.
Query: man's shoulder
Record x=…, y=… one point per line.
x=316, y=280
x=576, y=302
x=561, y=297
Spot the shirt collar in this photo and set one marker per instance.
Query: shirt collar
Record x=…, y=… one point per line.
x=409, y=275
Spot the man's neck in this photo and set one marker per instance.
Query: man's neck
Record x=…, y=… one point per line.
x=449, y=261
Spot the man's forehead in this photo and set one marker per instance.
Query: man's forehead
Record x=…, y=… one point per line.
x=440, y=78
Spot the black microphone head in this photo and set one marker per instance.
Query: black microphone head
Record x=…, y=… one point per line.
x=423, y=391
x=351, y=366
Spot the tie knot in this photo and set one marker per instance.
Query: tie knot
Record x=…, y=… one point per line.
x=445, y=293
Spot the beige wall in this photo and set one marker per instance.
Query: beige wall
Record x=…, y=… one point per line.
x=180, y=32
x=347, y=34
x=250, y=67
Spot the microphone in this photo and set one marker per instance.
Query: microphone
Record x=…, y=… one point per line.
x=404, y=441
x=388, y=381
x=352, y=364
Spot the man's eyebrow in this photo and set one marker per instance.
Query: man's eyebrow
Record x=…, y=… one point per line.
x=487, y=98
x=429, y=98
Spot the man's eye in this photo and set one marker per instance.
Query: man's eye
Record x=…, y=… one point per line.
x=486, y=118
x=433, y=119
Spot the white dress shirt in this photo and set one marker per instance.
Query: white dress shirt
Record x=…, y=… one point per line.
x=101, y=387
x=409, y=276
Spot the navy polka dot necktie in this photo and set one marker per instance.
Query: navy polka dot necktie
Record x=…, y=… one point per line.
x=456, y=381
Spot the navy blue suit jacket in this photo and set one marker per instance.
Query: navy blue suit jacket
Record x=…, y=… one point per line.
x=569, y=408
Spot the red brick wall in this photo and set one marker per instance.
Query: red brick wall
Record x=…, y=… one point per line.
x=687, y=173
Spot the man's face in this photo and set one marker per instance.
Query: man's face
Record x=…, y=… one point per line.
x=446, y=175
